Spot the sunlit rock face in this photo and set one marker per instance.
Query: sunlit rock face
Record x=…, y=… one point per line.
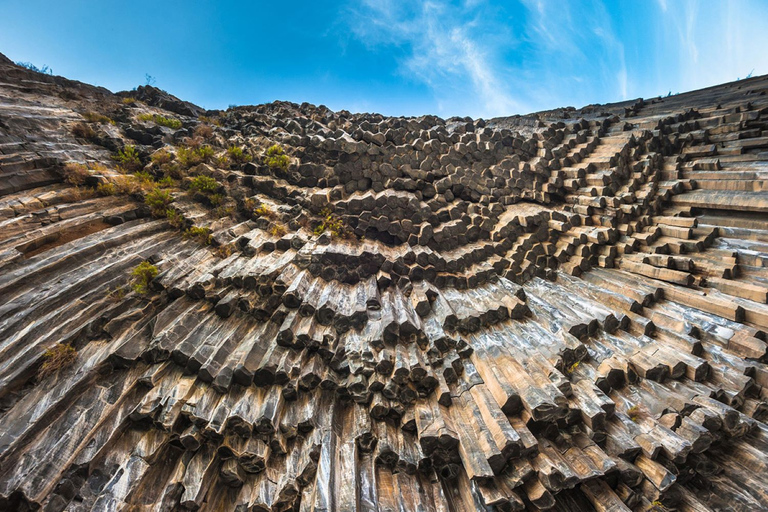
x=283, y=307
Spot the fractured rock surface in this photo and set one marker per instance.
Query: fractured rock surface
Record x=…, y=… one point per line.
x=561, y=311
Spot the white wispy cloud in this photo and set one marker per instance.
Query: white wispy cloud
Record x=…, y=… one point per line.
x=449, y=48
x=712, y=42
x=493, y=58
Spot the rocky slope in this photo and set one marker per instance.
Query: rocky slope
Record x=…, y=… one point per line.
x=282, y=307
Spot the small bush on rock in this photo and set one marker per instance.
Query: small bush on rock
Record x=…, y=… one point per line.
x=237, y=155
x=204, y=131
x=83, y=131
x=204, y=184
x=56, y=358
x=161, y=157
x=277, y=229
x=158, y=201
x=190, y=157
x=106, y=189
x=168, y=122
x=264, y=211
x=276, y=158
x=95, y=117
x=142, y=275
x=75, y=174
x=128, y=159
x=202, y=235
x=333, y=224
x=175, y=219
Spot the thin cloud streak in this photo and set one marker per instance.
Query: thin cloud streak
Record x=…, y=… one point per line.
x=462, y=52
x=441, y=49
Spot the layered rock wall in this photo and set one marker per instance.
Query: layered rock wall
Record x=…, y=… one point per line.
x=562, y=311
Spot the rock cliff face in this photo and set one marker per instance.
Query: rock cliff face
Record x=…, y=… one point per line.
x=334, y=311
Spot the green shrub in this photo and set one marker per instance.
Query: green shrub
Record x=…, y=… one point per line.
x=128, y=159
x=167, y=182
x=95, y=117
x=237, y=155
x=264, y=211
x=158, y=201
x=106, y=189
x=277, y=229
x=56, y=358
x=216, y=199
x=142, y=275
x=168, y=122
x=116, y=294
x=202, y=235
x=190, y=157
x=204, y=184
x=276, y=158
x=145, y=179
x=333, y=224
x=175, y=219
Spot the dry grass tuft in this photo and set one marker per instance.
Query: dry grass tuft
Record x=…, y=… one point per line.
x=56, y=358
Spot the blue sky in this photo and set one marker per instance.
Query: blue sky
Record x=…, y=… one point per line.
x=481, y=58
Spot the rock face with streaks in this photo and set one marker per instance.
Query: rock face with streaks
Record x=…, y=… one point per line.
x=559, y=311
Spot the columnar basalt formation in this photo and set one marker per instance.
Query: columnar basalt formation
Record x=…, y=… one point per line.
x=559, y=311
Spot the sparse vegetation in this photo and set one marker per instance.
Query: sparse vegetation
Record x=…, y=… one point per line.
x=224, y=211
x=75, y=174
x=128, y=159
x=167, y=182
x=142, y=275
x=127, y=185
x=223, y=251
x=216, y=121
x=237, y=155
x=202, y=235
x=168, y=122
x=216, y=199
x=264, y=211
x=129, y=101
x=277, y=229
x=333, y=224
x=158, y=200
x=116, y=294
x=634, y=413
x=190, y=157
x=56, y=358
x=573, y=367
x=94, y=117
x=161, y=157
x=81, y=193
x=175, y=219
x=276, y=158
x=145, y=179
x=204, y=184
x=106, y=189
x=204, y=131
x=83, y=131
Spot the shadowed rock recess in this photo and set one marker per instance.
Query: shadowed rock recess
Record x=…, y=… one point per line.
x=559, y=311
